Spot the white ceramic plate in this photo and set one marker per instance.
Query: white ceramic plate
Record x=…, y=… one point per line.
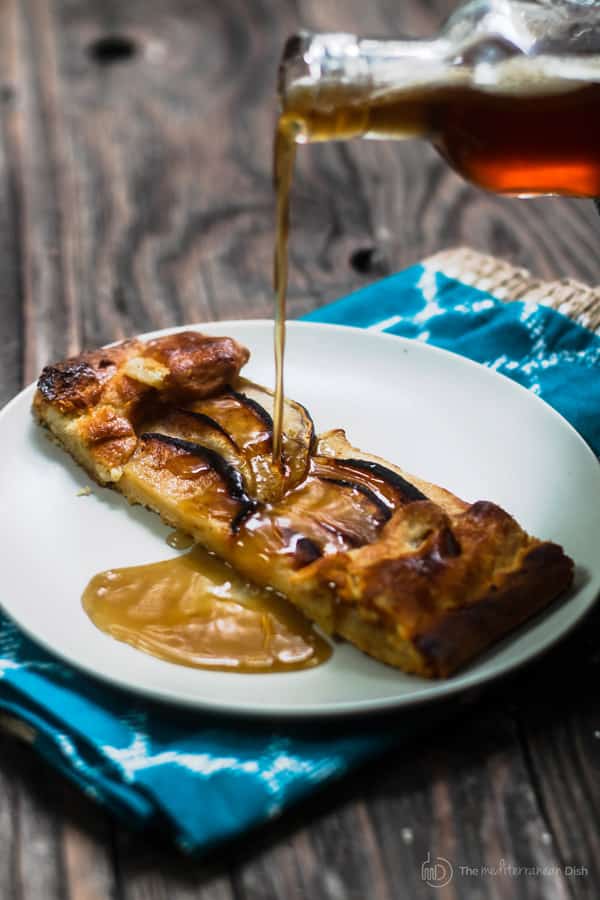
x=447, y=419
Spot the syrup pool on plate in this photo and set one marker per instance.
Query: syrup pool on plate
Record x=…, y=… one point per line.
x=196, y=611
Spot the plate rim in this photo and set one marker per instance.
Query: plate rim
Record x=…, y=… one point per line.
x=432, y=690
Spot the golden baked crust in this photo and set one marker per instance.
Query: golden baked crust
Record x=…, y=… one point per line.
x=450, y=585
x=92, y=402
x=411, y=574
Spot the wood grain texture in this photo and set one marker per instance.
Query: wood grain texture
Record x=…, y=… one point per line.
x=560, y=730
x=11, y=333
x=53, y=842
x=135, y=193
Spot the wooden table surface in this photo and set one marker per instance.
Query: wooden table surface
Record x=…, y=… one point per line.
x=135, y=191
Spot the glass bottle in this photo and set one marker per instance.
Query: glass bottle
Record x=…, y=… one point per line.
x=508, y=91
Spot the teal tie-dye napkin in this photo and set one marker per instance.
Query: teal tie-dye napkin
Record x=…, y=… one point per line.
x=205, y=778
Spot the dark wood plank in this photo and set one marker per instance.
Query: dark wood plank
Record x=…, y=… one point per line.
x=462, y=793
x=472, y=804
x=135, y=192
x=8, y=829
x=152, y=870
x=174, y=214
x=54, y=842
x=10, y=263
x=87, y=848
x=48, y=214
x=558, y=720
x=45, y=851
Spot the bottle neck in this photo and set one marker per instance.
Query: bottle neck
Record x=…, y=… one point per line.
x=337, y=86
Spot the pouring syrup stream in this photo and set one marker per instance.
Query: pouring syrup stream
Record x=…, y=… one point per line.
x=284, y=156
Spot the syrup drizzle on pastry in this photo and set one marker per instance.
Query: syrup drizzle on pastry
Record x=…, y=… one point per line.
x=196, y=610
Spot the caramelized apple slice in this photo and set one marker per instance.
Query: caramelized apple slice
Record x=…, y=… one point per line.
x=244, y=415
x=298, y=430
x=249, y=426
x=334, y=444
x=201, y=429
x=250, y=430
x=335, y=513
x=212, y=481
x=390, y=488
x=319, y=517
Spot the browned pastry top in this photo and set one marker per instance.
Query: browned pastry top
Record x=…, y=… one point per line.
x=186, y=364
x=448, y=582
x=106, y=392
x=406, y=570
